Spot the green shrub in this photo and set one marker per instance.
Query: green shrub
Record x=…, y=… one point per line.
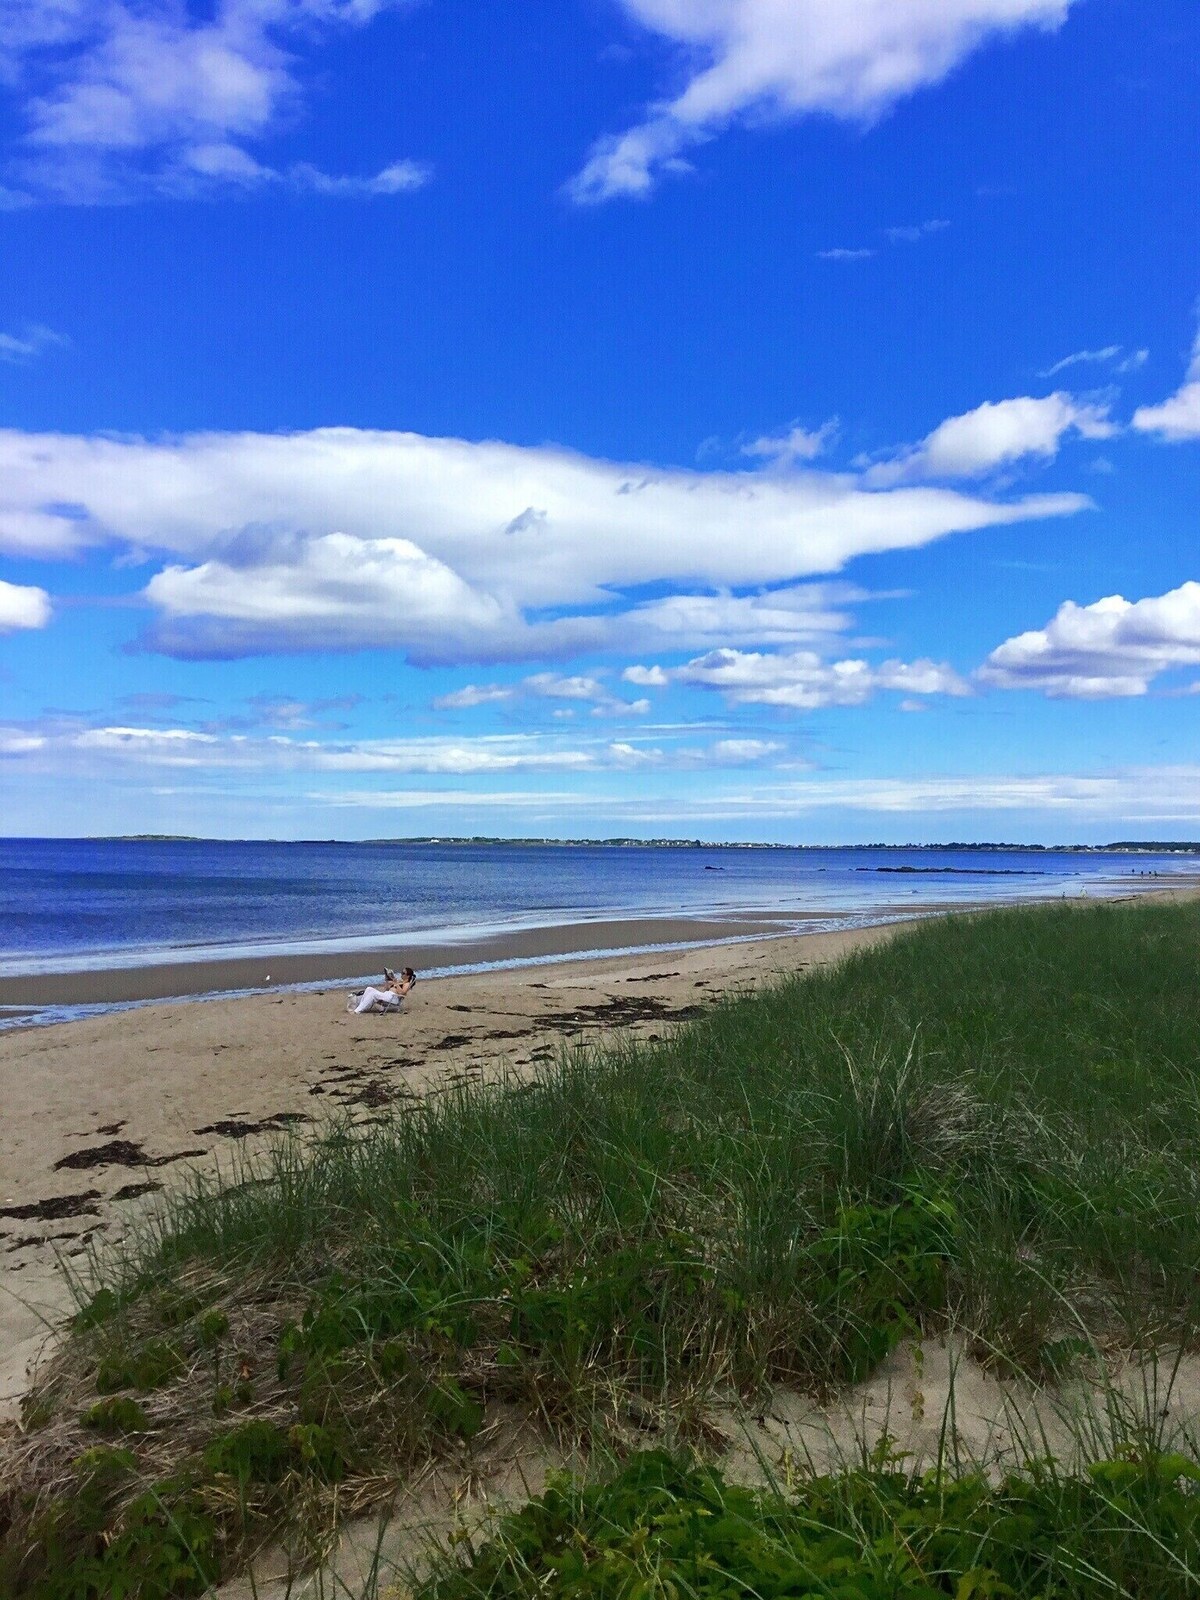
x=152, y=1365
x=211, y=1328
x=117, y=1414
x=253, y=1452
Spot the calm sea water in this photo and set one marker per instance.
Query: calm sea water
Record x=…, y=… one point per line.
x=82, y=903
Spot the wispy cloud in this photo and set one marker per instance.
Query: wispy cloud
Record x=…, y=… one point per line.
x=794, y=444
x=792, y=58
x=915, y=232
x=18, y=349
x=1112, y=355
x=121, y=100
x=911, y=234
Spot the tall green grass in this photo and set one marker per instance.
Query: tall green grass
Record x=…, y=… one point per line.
x=991, y=1122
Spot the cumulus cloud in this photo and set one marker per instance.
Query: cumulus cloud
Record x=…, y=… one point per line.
x=791, y=58
x=22, y=606
x=344, y=538
x=803, y=681
x=996, y=434
x=1178, y=418
x=1113, y=648
x=318, y=593
x=646, y=677
x=120, y=98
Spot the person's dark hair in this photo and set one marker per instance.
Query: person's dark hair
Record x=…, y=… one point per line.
x=408, y=973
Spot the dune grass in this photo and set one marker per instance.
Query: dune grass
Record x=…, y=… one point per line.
x=990, y=1123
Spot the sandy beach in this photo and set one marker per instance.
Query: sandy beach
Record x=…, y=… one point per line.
x=102, y=1113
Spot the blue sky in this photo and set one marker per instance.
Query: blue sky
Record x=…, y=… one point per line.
x=749, y=419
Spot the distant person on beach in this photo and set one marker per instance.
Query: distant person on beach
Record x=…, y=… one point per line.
x=390, y=998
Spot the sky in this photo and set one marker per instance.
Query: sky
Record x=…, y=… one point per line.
x=729, y=419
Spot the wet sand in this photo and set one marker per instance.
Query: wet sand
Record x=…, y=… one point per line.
x=179, y=979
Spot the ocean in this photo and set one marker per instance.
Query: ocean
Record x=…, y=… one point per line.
x=86, y=904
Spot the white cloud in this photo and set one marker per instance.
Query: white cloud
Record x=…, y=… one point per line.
x=795, y=444
x=646, y=677
x=1112, y=355
x=16, y=349
x=471, y=695
x=14, y=742
x=62, y=746
x=22, y=606
x=342, y=538
x=121, y=98
x=743, y=752
x=996, y=434
x=799, y=613
x=554, y=687
x=1111, y=649
x=914, y=233
x=842, y=253
x=1178, y=418
x=397, y=178
x=316, y=594
x=228, y=164
x=804, y=681
x=792, y=58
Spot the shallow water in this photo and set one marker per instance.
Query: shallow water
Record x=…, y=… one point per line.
x=88, y=904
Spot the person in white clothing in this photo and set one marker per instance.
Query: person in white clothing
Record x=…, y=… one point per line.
x=390, y=998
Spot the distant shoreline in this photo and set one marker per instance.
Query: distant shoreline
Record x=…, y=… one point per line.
x=1116, y=847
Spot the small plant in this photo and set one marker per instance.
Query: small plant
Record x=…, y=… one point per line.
x=101, y=1308
x=253, y=1452
x=211, y=1328
x=117, y=1414
x=152, y=1365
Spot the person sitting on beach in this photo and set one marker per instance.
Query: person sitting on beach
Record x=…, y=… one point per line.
x=390, y=998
